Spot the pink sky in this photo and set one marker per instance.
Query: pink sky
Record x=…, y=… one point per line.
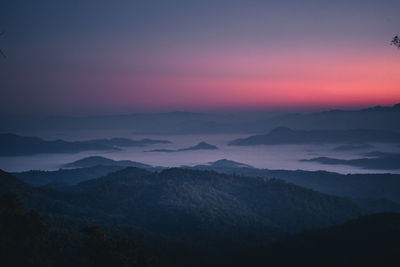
x=242, y=80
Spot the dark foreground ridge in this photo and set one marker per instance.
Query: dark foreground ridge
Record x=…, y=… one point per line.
x=367, y=241
x=27, y=240
x=185, y=217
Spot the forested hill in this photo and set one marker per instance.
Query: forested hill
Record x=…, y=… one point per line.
x=367, y=241
x=195, y=211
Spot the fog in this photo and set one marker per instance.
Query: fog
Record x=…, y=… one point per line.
x=272, y=157
x=185, y=129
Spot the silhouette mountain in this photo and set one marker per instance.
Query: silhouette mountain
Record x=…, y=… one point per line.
x=223, y=163
x=186, y=215
x=15, y=145
x=284, y=135
x=65, y=177
x=379, y=118
x=200, y=146
x=98, y=160
x=375, y=160
x=157, y=200
x=370, y=240
x=28, y=234
x=361, y=186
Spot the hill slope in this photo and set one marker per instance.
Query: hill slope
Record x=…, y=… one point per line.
x=231, y=201
x=367, y=241
x=372, y=186
x=203, y=217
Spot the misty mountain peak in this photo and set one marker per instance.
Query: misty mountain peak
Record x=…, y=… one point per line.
x=201, y=145
x=226, y=163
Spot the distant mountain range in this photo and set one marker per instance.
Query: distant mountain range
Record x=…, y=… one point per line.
x=15, y=145
x=78, y=171
x=102, y=161
x=284, y=135
x=372, y=160
x=379, y=118
x=223, y=163
x=65, y=177
x=383, y=188
x=199, y=146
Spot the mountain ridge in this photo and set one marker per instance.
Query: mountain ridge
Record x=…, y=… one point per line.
x=17, y=145
x=380, y=118
x=285, y=135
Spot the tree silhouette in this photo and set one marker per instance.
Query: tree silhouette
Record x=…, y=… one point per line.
x=396, y=41
x=98, y=250
x=24, y=237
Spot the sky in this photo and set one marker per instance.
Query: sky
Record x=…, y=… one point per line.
x=89, y=57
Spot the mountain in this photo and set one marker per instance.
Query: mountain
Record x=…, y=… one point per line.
x=223, y=163
x=362, y=186
x=63, y=177
x=26, y=232
x=186, y=215
x=15, y=145
x=284, y=135
x=370, y=240
x=78, y=171
x=379, y=118
x=98, y=160
x=96, y=166
x=52, y=204
x=9, y=184
x=204, y=201
x=199, y=146
x=201, y=199
x=375, y=160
